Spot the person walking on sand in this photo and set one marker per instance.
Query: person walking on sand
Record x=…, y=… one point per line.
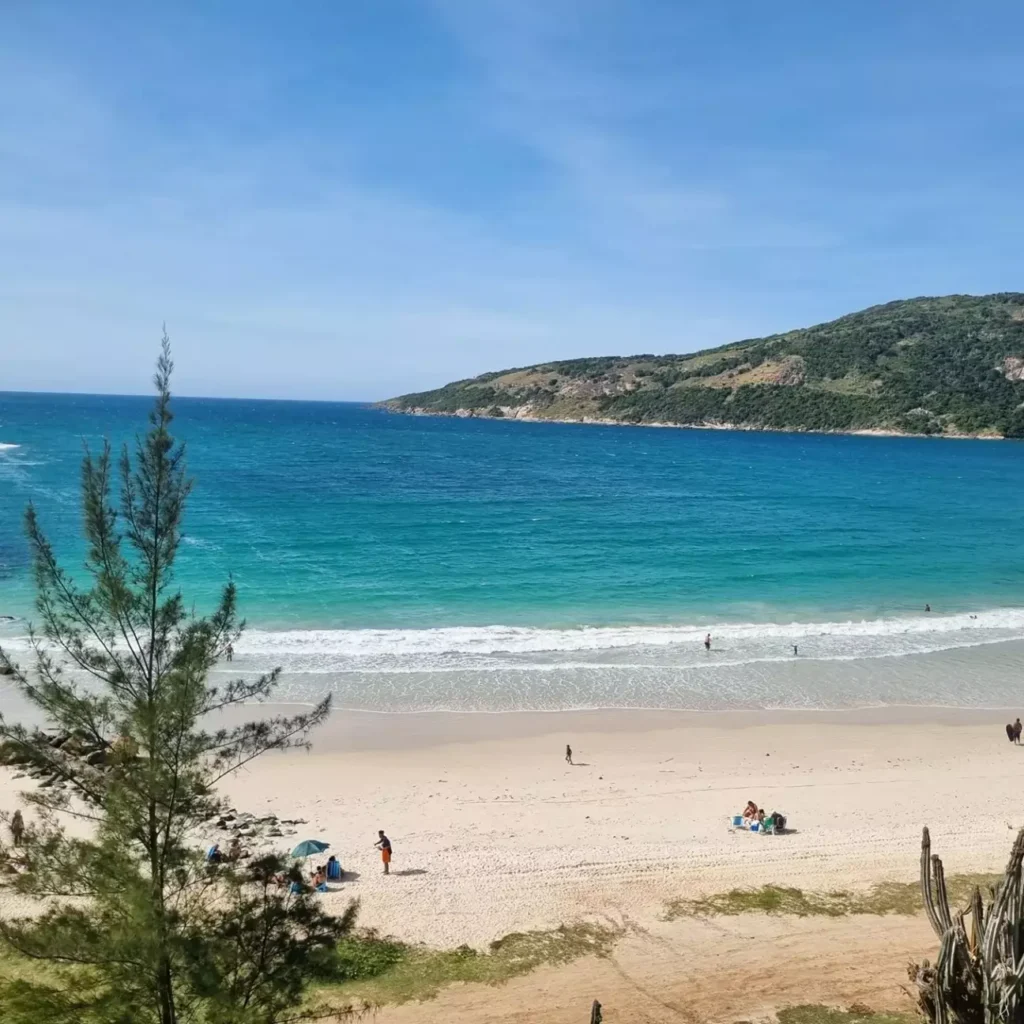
x=568, y=754
x=384, y=845
x=707, y=642
x=17, y=828
x=1017, y=727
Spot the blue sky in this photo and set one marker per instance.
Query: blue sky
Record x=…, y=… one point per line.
x=357, y=198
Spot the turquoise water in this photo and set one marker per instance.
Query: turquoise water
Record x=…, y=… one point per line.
x=422, y=562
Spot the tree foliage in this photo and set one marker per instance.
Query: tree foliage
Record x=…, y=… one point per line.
x=137, y=926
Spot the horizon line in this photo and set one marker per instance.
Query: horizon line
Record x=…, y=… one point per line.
x=204, y=398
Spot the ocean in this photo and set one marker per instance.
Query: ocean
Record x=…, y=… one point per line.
x=412, y=563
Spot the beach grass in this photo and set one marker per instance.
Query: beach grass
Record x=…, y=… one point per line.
x=417, y=972
x=817, y=1014
x=371, y=970
x=883, y=898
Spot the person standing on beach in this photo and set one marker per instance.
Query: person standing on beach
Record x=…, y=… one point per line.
x=17, y=827
x=568, y=754
x=1017, y=727
x=384, y=845
x=707, y=642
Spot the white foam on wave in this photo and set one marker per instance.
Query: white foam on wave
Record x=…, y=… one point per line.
x=489, y=640
x=5, y=446
x=503, y=668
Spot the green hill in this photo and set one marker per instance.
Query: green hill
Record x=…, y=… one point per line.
x=951, y=365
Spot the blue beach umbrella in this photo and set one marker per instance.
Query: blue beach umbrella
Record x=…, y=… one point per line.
x=309, y=847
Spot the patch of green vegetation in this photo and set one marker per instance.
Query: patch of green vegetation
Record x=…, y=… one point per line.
x=372, y=971
x=925, y=366
x=884, y=898
x=366, y=955
x=417, y=972
x=816, y=1014
x=851, y=384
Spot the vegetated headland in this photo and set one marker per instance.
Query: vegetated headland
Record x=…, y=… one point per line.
x=950, y=366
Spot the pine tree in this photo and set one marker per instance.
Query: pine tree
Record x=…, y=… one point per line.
x=137, y=926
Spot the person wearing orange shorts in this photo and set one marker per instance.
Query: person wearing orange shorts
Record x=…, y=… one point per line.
x=384, y=845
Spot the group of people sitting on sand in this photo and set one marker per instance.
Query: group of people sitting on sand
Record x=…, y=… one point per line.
x=235, y=853
x=332, y=869
x=755, y=819
x=318, y=876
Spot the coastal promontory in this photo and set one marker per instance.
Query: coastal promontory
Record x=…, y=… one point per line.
x=952, y=365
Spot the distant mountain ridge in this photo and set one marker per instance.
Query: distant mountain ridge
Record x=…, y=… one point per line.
x=952, y=365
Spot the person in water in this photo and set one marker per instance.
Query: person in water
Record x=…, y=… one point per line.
x=927, y=607
x=707, y=642
x=794, y=650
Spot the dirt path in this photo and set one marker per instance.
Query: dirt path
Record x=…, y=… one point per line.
x=723, y=969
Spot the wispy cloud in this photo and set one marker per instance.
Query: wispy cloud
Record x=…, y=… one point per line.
x=380, y=199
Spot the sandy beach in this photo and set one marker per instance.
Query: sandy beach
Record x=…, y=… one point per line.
x=493, y=832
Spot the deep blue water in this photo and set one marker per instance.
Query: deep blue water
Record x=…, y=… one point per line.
x=341, y=518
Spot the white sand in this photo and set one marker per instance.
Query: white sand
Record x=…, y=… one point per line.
x=493, y=832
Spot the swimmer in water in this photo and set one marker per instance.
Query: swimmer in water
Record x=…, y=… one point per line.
x=707, y=642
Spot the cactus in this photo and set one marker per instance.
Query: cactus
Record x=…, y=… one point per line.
x=978, y=976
